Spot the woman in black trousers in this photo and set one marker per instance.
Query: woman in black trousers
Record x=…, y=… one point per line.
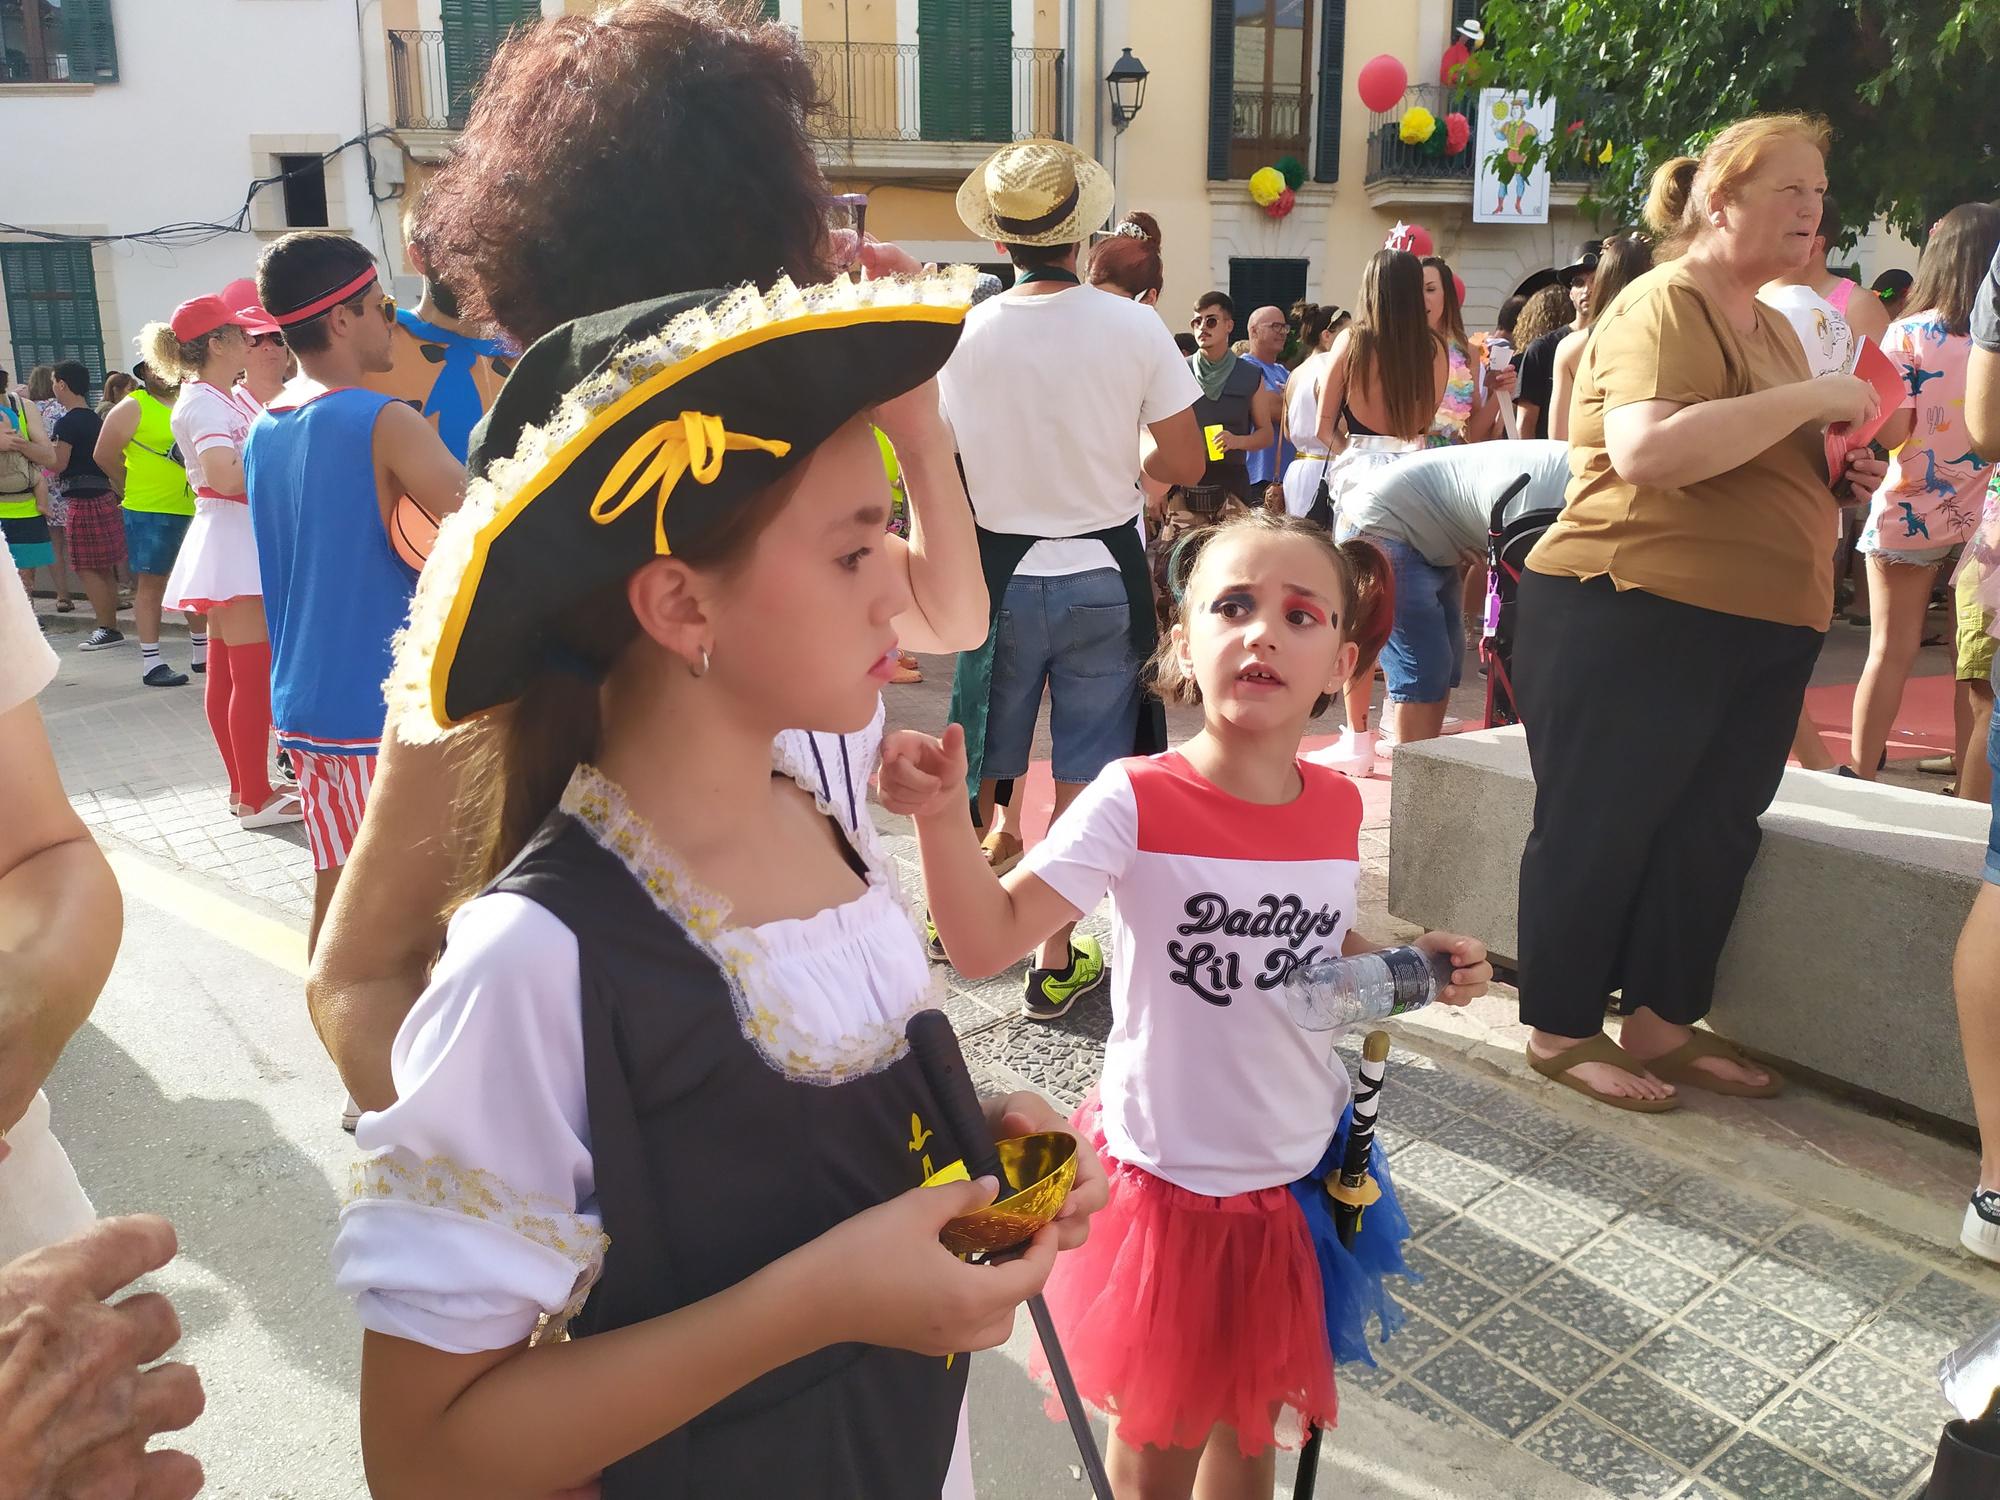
x=1669, y=622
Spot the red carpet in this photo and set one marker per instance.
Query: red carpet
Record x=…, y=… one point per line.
x=1923, y=724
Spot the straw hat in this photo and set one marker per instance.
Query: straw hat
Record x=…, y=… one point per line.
x=1036, y=193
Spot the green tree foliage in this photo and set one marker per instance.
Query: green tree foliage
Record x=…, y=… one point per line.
x=1910, y=87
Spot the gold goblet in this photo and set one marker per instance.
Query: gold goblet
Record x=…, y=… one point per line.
x=1039, y=1171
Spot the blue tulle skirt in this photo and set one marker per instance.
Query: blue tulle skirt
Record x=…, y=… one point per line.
x=1356, y=1277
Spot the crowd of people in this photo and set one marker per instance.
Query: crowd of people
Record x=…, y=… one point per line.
x=567, y=599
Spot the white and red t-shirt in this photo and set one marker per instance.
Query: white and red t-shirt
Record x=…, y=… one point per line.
x=1208, y=1082
x=206, y=417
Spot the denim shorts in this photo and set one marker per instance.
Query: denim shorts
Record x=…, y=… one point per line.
x=1425, y=652
x=1074, y=632
x=1923, y=557
x=153, y=540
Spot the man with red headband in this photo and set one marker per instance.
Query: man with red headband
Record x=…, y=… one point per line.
x=327, y=465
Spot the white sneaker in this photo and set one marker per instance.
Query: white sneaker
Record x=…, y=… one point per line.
x=1352, y=753
x=350, y=1115
x=1981, y=1231
x=282, y=808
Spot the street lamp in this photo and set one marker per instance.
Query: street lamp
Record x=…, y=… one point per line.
x=1127, y=82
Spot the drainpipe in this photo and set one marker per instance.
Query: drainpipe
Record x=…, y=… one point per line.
x=1096, y=93
x=1069, y=104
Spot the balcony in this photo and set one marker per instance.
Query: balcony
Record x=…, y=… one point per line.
x=911, y=110
x=1264, y=125
x=1400, y=175
x=422, y=101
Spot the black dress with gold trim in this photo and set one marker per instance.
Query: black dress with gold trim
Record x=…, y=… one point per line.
x=713, y=1159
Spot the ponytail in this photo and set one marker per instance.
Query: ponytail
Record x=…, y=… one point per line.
x=1371, y=598
x=1668, y=202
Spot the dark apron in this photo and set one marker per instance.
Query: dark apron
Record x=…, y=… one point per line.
x=711, y=1163
x=1000, y=553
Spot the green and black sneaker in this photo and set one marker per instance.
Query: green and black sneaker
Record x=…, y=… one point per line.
x=933, y=944
x=1051, y=992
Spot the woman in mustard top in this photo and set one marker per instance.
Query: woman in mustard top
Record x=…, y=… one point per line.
x=1669, y=622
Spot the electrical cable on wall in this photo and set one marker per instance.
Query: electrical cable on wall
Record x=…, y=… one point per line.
x=196, y=232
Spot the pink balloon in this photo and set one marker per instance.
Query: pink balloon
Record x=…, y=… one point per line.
x=1381, y=82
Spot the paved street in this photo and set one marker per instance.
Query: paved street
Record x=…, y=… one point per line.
x=1737, y=1301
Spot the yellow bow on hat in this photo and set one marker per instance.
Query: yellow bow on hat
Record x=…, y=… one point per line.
x=692, y=443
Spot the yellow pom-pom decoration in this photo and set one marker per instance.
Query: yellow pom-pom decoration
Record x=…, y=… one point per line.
x=1418, y=125
x=1266, y=183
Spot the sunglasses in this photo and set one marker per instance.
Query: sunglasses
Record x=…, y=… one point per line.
x=259, y=340
x=1205, y=320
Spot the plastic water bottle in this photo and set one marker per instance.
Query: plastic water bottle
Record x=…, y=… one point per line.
x=1336, y=993
x=1970, y=1376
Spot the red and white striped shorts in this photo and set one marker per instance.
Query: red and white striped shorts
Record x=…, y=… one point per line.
x=334, y=791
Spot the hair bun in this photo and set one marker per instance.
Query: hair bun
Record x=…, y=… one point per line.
x=1140, y=225
x=1667, y=200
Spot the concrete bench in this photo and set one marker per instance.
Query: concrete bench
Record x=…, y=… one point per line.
x=1840, y=959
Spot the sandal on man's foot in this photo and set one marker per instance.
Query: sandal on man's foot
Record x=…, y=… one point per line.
x=1599, y=1049
x=1003, y=851
x=1678, y=1068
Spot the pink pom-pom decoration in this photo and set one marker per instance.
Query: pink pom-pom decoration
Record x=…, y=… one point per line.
x=1381, y=82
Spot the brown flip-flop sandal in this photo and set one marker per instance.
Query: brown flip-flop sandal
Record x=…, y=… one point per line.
x=1678, y=1068
x=1600, y=1049
x=1002, y=850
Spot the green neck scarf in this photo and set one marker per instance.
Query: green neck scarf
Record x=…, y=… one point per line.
x=1213, y=376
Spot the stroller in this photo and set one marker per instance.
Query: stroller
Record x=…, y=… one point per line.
x=1511, y=533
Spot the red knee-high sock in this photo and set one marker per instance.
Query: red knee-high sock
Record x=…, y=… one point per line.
x=215, y=701
x=250, y=719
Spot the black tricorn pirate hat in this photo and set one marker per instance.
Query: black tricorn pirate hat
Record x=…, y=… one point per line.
x=626, y=432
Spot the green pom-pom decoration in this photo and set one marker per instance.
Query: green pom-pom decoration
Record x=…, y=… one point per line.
x=1293, y=169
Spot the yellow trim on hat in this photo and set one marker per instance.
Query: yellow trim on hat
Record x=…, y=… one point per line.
x=468, y=585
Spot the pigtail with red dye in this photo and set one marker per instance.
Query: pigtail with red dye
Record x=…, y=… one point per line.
x=1371, y=598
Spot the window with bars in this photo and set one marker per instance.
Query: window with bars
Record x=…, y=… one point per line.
x=50, y=290
x=1273, y=66
x=57, y=41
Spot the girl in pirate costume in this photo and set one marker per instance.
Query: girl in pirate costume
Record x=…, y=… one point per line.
x=657, y=1091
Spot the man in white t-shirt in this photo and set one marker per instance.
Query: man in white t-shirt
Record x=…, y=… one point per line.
x=1048, y=392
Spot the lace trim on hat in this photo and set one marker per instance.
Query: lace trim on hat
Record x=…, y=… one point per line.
x=408, y=689
x=763, y=1013
x=474, y=1193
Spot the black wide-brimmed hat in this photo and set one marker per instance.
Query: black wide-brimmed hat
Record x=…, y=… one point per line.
x=623, y=435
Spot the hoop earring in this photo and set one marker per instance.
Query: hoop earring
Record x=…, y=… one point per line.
x=704, y=666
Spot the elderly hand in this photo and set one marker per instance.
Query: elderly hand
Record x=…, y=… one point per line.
x=1845, y=398
x=76, y=1408
x=1030, y=1114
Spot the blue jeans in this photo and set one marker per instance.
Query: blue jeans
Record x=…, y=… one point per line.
x=1425, y=652
x=1073, y=632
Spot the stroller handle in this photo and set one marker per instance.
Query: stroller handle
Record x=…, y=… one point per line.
x=1497, y=517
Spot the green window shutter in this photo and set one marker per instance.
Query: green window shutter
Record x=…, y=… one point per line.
x=51, y=293
x=88, y=39
x=473, y=32
x=1332, y=77
x=1221, y=86
x=770, y=10
x=965, y=69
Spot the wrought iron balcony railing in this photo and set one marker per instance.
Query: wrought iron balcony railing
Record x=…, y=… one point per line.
x=900, y=91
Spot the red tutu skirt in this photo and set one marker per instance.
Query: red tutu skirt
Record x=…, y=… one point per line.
x=1182, y=1312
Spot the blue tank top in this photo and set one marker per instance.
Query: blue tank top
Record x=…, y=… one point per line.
x=334, y=590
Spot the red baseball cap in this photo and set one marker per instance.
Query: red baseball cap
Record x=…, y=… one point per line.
x=200, y=315
x=240, y=297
